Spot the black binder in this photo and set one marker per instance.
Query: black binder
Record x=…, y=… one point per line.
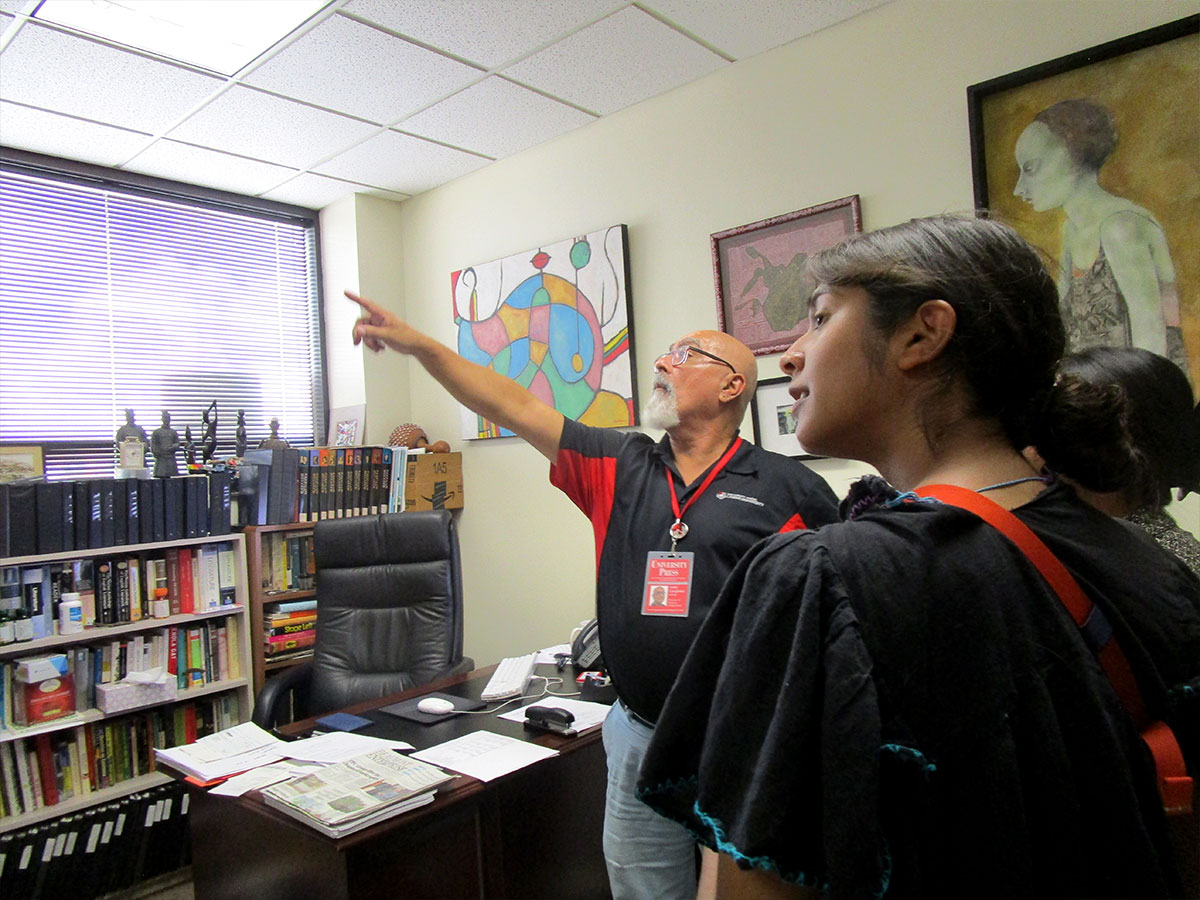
x=133, y=515
x=120, y=489
x=22, y=519
x=173, y=509
x=83, y=512
x=67, y=511
x=146, y=510
x=107, y=512
x=48, y=498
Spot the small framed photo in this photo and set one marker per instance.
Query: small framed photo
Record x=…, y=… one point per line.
x=774, y=425
x=18, y=462
x=760, y=271
x=347, y=426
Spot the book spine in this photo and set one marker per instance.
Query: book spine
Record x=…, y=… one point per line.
x=174, y=581
x=187, y=589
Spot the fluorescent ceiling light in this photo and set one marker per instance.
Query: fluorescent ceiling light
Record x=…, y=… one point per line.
x=220, y=35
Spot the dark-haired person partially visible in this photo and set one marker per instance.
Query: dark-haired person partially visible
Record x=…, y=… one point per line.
x=1152, y=446
x=899, y=705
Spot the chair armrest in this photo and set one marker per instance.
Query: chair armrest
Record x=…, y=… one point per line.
x=464, y=665
x=271, y=704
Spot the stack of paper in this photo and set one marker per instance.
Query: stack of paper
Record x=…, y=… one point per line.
x=227, y=752
x=342, y=798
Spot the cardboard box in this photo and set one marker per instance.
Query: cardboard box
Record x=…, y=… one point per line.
x=45, y=690
x=434, y=481
x=122, y=695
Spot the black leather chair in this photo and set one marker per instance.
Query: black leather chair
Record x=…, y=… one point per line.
x=389, y=615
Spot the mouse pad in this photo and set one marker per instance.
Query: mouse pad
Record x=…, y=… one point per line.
x=407, y=709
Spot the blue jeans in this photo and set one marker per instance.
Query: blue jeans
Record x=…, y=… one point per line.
x=649, y=857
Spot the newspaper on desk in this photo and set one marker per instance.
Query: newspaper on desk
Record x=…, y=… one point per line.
x=337, y=794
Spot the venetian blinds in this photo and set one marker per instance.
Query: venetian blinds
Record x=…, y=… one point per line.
x=112, y=300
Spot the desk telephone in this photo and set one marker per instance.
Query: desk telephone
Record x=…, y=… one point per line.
x=585, y=646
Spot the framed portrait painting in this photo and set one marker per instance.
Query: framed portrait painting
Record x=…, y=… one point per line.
x=774, y=424
x=1095, y=159
x=759, y=269
x=556, y=320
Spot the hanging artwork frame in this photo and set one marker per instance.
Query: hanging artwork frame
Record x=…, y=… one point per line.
x=1148, y=83
x=759, y=270
x=557, y=320
x=774, y=424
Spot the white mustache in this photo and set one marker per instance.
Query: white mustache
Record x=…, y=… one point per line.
x=660, y=381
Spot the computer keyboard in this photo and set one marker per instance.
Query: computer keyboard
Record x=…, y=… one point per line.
x=510, y=678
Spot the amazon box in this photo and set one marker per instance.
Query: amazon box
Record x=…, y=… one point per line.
x=434, y=481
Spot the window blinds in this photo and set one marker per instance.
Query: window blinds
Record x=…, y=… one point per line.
x=112, y=300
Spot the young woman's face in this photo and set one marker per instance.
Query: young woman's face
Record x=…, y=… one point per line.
x=1047, y=176
x=837, y=386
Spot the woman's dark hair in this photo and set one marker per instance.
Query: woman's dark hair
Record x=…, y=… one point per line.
x=1085, y=127
x=1152, y=440
x=1009, y=335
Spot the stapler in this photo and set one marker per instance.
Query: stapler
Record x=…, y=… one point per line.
x=550, y=718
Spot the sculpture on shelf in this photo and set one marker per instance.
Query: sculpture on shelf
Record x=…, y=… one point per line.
x=270, y=443
x=239, y=434
x=414, y=437
x=208, y=444
x=189, y=446
x=131, y=444
x=164, y=443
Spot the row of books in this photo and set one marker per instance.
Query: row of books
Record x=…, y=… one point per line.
x=287, y=562
x=61, y=516
x=120, y=588
x=289, y=629
x=204, y=652
x=100, y=850
x=276, y=487
x=46, y=769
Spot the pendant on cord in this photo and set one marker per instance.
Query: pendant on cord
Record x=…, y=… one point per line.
x=678, y=531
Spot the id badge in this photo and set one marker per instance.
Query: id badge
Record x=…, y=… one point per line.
x=668, y=587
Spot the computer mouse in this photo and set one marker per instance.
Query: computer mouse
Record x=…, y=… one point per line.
x=435, y=706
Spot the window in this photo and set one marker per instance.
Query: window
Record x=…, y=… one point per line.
x=114, y=298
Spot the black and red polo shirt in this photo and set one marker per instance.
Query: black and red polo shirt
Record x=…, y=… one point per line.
x=618, y=479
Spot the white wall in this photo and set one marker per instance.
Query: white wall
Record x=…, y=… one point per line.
x=874, y=106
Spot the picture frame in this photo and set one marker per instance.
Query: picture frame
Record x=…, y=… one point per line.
x=21, y=462
x=771, y=413
x=347, y=426
x=1147, y=84
x=556, y=319
x=759, y=270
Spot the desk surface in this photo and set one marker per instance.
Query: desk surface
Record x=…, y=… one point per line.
x=535, y=832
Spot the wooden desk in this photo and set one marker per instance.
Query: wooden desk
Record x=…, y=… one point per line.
x=535, y=833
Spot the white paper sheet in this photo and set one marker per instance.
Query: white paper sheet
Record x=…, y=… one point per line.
x=587, y=715
x=484, y=755
x=259, y=778
x=337, y=746
x=547, y=655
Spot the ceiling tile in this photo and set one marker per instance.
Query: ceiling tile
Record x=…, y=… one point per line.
x=255, y=124
x=316, y=191
x=401, y=163
x=483, y=31
x=495, y=117
x=72, y=75
x=619, y=61
x=195, y=165
x=350, y=67
x=753, y=26
x=57, y=135
x=12, y=6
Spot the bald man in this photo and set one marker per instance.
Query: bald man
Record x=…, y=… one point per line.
x=671, y=520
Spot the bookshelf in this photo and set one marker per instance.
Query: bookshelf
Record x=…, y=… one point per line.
x=266, y=588
x=118, y=744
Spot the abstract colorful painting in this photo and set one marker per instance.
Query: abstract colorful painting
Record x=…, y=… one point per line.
x=556, y=321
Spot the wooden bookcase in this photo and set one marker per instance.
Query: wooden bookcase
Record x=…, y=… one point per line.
x=237, y=687
x=261, y=594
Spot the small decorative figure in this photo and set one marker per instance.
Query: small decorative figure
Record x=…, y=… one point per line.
x=189, y=446
x=131, y=443
x=239, y=435
x=164, y=442
x=269, y=443
x=414, y=437
x=208, y=445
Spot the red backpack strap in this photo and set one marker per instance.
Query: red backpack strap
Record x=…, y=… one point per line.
x=1174, y=783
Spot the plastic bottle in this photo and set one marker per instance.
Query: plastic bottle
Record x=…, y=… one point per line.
x=70, y=614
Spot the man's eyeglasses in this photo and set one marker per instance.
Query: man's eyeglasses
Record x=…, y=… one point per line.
x=679, y=355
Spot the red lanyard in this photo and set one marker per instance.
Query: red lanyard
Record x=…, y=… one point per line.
x=678, y=530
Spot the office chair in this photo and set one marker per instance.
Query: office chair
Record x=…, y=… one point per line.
x=389, y=615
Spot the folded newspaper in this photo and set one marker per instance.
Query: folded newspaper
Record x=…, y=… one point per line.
x=343, y=797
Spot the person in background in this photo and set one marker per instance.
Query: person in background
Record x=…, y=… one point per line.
x=672, y=513
x=900, y=704
x=1158, y=449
